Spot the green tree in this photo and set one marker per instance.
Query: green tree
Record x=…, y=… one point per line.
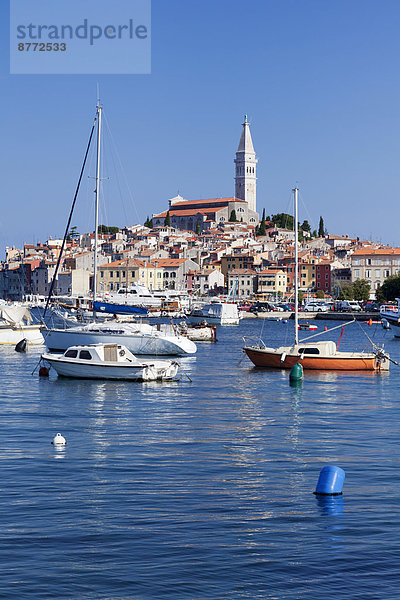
x=198, y=228
x=107, y=230
x=167, y=220
x=232, y=216
x=320, y=294
x=389, y=290
x=361, y=290
x=314, y=233
x=346, y=292
x=300, y=296
x=305, y=226
x=262, y=230
x=283, y=220
x=73, y=234
x=321, y=228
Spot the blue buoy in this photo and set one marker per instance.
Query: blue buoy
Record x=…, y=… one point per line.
x=330, y=481
x=296, y=372
x=284, y=320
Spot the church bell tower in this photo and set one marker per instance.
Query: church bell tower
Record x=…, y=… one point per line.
x=246, y=163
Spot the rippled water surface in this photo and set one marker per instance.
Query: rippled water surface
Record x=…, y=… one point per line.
x=201, y=489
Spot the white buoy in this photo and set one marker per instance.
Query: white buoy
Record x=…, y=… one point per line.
x=59, y=440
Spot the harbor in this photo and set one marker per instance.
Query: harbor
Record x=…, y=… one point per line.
x=217, y=479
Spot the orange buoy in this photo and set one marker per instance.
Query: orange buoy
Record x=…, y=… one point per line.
x=326, y=329
x=43, y=372
x=370, y=322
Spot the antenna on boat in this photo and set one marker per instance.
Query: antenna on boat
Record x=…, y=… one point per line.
x=296, y=269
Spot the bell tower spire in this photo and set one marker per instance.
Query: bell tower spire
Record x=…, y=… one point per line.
x=245, y=171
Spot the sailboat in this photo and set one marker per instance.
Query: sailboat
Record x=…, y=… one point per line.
x=139, y=338
x=323, y=355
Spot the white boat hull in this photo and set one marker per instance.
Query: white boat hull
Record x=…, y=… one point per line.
x=61, y=339
x=147, y=371
x=13, y=335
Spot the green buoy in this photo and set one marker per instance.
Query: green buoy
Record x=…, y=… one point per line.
x=296, y=373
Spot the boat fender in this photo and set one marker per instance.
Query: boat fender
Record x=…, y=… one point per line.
x=283, y=357
x=59, y=440
x=43, y=372
x=122, y=352
x=21, y=346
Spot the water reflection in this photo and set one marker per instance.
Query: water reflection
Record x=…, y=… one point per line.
x=330, y=505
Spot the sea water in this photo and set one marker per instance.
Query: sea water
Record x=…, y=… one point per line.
x=202, y=488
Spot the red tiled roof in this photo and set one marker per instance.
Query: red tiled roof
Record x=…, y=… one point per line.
x=377, y=251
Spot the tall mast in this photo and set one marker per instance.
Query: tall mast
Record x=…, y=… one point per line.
x=96, y=206
x=296, y=270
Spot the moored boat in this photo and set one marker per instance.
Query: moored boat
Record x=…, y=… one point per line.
x=109, y=361
x=215, y=313
x=16, y=324
x=140, y=338
x=314, y=355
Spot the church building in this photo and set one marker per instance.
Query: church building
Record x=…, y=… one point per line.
x=201, y=215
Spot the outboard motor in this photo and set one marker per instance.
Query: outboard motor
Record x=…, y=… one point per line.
x=21, y=346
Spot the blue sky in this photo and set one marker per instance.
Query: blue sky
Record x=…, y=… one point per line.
x=319, y=81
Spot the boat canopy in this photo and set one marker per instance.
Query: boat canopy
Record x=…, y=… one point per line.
x=15, y=315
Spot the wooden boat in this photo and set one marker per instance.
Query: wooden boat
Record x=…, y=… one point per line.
x=109, y=361
x=314, y=355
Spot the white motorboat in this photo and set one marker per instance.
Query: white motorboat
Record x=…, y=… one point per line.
x=140, y=338
x=202, y=332
x=216, y=313
x=390, y=315
x=16, y=324
x=109, y=361
x=135, y=294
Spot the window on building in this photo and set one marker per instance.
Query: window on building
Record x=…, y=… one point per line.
x=369, y=261
x=116, y=273
x=377, y=272
x=367, y=273
x=101, y=273
x=387, y=273
x=357, y=273
x=111, y=274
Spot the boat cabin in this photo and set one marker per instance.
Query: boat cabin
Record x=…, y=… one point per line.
x=100, y=352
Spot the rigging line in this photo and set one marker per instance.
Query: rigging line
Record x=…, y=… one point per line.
x=69, y=220
x=116, y=175
x=310, y=219
x=123, y=172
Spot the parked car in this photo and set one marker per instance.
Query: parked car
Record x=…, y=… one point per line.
x=371, y=306
x=316, y=307
x=350, y=306
x=262, y=307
